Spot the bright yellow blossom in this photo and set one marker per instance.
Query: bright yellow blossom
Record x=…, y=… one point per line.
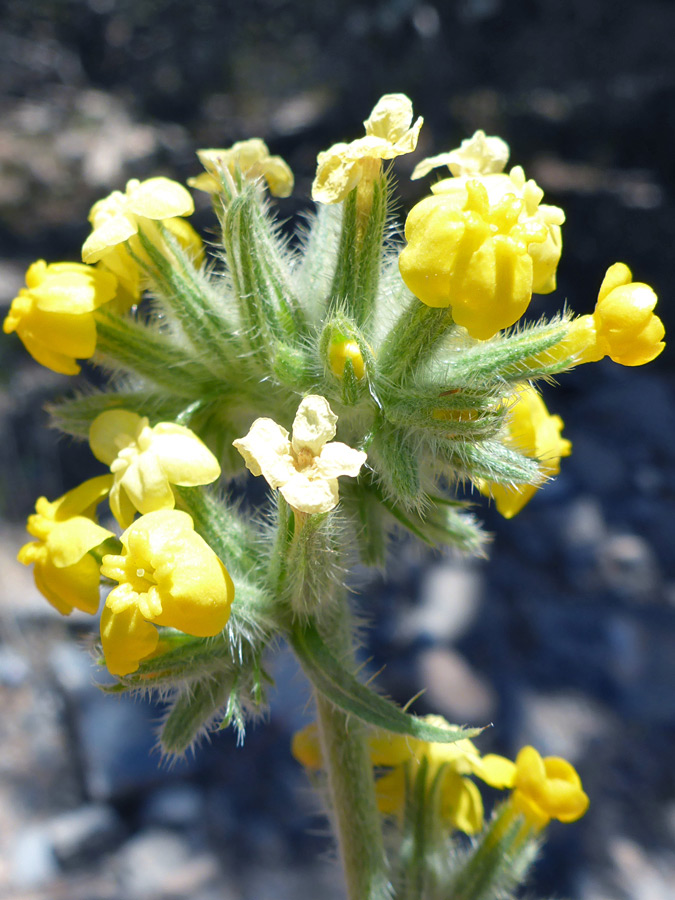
x=484, y=158
x=118, y=218
x=168, y=575
x=545, y=789
x=146, y=461
x=474, y=258
x=66, y=530
x=390, y=132
x=306, y=468
x=252, y=158
x=53, y=314
x=461, y=805
x=533, y=431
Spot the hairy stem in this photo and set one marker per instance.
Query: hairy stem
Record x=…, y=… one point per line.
x=350, y=777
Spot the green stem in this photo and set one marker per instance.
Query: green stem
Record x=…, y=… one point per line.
x=350, y=777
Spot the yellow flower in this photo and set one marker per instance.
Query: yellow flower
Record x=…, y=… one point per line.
x=168, y=575
x=306, y=468
x=390, y=132
x=474, y=258
x=66, y=530
x=146, y=461
x=118, y=218
x=536, y=433
x=545, y=789
x=53, y=314
x=484, y=158
x=623, y=325
x=252, y=158
x=461, y=805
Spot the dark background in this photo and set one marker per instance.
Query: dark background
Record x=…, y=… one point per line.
x=565, y=638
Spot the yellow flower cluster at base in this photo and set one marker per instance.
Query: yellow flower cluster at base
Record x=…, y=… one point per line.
x=461, y=805
x=536, y=433
x=54, y=314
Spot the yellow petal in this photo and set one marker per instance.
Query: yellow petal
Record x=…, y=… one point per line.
x=184, y=458
x=69, y=541
x=126, y=639
x=109, y=233
x=158, y=198
x=146, y=485
x=461, y=803
x=71, y=587
x=314, y=424
x=497, y=771
x=306, y=747
x=112, y=430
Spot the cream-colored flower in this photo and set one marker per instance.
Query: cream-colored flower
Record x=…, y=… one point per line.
x=252, y=158
x=306, y=468
x=477, y=155
x=147, y=461
x=390, y=132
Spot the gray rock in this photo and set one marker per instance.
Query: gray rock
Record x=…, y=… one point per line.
x=629, y=568
x=454, y=688
x=161, y=864
x=180, y=806
x=448, y=603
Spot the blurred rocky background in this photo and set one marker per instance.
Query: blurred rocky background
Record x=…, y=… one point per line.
x=565, y=638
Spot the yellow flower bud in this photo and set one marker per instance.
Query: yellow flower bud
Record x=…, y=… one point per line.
x=342, y=350
x=66, y=530
x=474, y=258
x=533, y=431
x=168, y=575
x=117, y=219
x=146, y=461
x=253, y=160
x=390, y=132
x=53, y=314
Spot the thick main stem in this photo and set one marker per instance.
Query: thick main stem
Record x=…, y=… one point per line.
x=350, y=775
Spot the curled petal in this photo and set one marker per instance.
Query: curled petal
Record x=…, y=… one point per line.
x=111, y=431
x=338, y=459
x=183, y=457
x=314, y=424
x=310, y=495
x=266, y=451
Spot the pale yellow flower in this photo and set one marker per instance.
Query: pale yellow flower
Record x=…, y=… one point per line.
x=54, y=314
x=390, y=132
x=146, y=461
x=118, y=218
x=66, y=530
x=477, y=155
x=536, y=433
x=252, y=158
x=168, y=575
x=306, y=468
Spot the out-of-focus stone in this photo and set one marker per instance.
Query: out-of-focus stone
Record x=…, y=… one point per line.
x=454, y=688
x=179, y=806
x=161, y=864
x=448, y=603
x=628, y=567
x=562, y=724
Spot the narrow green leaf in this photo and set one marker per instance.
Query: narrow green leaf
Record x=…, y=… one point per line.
x=343, y=690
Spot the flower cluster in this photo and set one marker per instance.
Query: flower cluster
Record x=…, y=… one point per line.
x=541, y=789
x=350, y=370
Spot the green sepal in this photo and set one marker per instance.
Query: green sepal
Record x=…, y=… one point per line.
x=343, y=690
x=192, y=711
x=74, y=415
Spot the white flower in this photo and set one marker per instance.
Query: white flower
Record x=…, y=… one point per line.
x=306, y=468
